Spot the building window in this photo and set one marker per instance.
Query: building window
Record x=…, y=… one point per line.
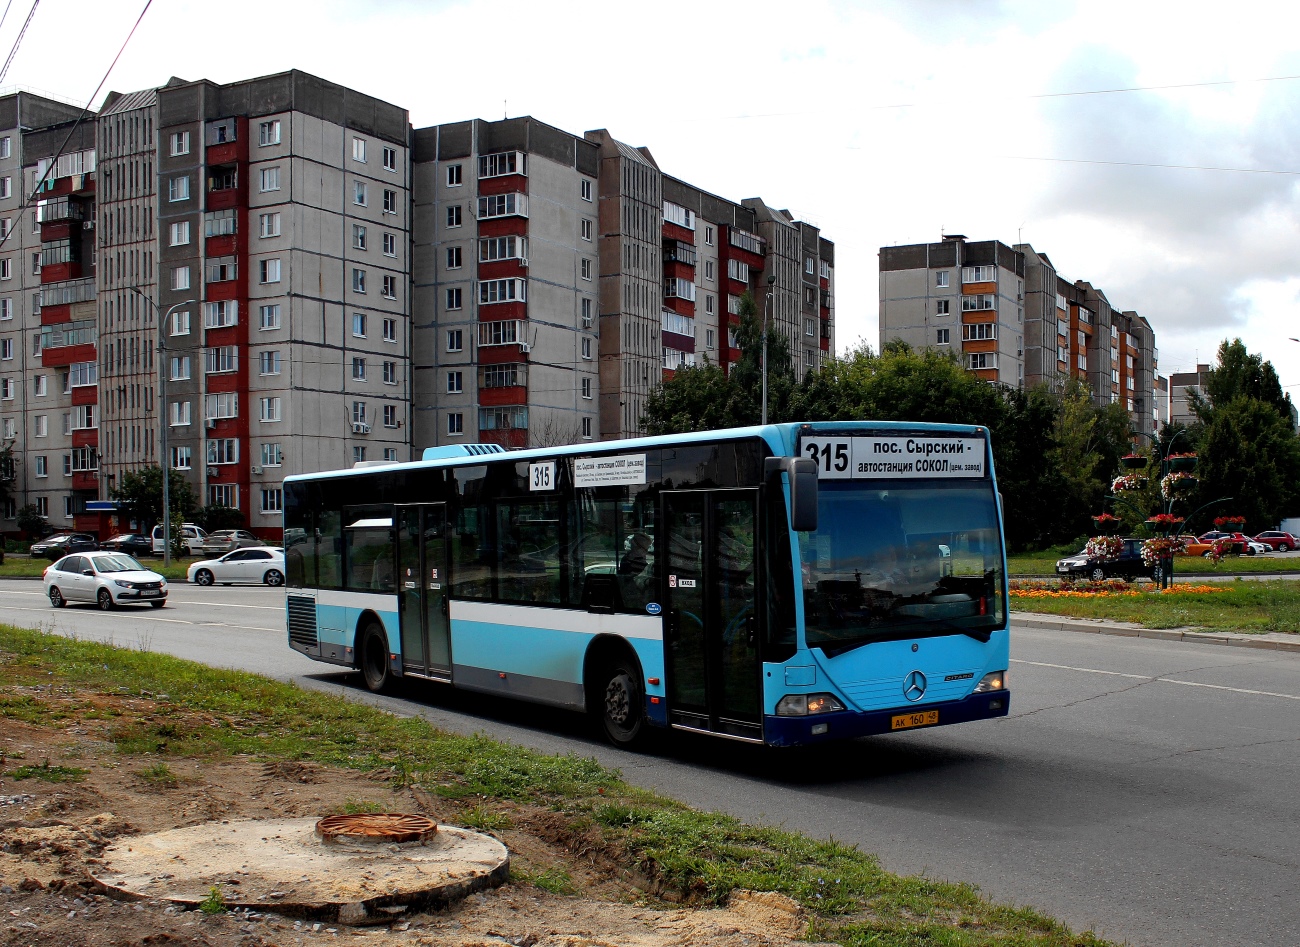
x=220, y=359
x=708, y=338
x=359, y=325
x=41, y=426
x=178, y=189
x=225, y=405
x=358, y=281
x=454, y=340
x=455, y=423
x=390, y=244
x=453, y=298
x=809, y=266
x=708, y=236
x=586, y=388
x=269, y=362
x=359, y=150
x=273, y=500
x=268, y=317
x=389, y=288
x=942, y=336
x=586, y=428
x=453, y=215
x=708, y=304
x=358, y=236
x=585, y=269
x=223, y=494
x=390, y=415
x=270, y=271
x=390, y=330
x=455, y=382
x=271, y=455
x=502, y=291
x=271, y=179
x=181, y=277
x=390, y=159
x=979, y=274
x=6, y=146
x=584, y=189
x=180, y=414
x=978, y=303
x=454, y=176
x=708, y=270
x=42, y=467
x=453, y=258
x=941, y=279
x=42, y=503
x=359, y=454
x=7, y=389
x=587, y=318
x=221, y=269
x=69, y=506
x=585, y=228
x=738, y=270
x=6, y=309
x=390, y=454
x=390, y=373
x=359, y=192
x=502, y=205
x=180, y=367
x=38, y=386
x=491, y=249
x=358, y=412
x=941, y=307
x=268, y=133
x=6, y=269
x=268, y=409
x=269, y=225
x=507, y=162
x=975, y=360
x=358, y=368
x=223, y=450
x=390, y=202
x=679, y=215
x=180, y=233
x=181, y=458
x=586, y=347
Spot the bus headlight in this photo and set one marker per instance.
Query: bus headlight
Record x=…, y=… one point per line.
x=993, y=681
x=802, y=705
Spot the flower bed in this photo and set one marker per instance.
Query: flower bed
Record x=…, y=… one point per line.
x=1108, y=589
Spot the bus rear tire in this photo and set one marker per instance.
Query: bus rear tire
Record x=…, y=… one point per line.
x=373, y=657
x=620, y=702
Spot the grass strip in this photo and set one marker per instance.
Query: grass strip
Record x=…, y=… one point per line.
x=26, y=567
x=702, y=855
x=1244, y=606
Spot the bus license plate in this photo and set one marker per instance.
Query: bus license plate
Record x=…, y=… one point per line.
x=923, y=718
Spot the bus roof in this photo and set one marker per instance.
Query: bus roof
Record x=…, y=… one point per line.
x=779, y=437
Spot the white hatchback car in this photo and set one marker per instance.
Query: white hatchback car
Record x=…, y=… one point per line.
x=108, y=579
x=260, y=564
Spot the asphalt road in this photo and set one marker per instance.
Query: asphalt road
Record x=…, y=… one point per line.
x=1145, y=789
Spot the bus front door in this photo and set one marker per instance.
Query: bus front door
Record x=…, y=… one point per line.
x=422, y=589
x=711, y=625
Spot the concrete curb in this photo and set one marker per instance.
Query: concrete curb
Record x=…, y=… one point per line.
x=1273, y=641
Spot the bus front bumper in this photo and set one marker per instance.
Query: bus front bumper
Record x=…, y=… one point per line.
x=846, y=725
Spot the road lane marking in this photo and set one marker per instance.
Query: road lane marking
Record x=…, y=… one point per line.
x=1164, y=680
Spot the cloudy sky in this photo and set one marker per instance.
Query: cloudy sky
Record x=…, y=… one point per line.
x=882, y=122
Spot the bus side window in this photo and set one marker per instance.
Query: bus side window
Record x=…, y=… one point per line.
x=329, y=549
x=473, y=552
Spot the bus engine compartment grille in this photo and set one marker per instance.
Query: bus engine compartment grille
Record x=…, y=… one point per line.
x=302, y=620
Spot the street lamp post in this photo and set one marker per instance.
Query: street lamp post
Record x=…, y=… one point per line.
x=166, y=461
x=767, y=302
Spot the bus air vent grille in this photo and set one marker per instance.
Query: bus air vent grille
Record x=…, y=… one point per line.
x=302, y=620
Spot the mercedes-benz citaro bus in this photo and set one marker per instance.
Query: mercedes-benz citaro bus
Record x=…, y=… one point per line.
x=787, y=584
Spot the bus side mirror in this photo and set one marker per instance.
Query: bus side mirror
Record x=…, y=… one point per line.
x=803, y=489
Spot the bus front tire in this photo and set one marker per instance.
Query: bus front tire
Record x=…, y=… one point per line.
x=620, y=703
x=374, y=657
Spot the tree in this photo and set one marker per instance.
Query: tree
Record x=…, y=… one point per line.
x=1239, y=374
x=31, y=522
x=140, y=494
x=7, y=473
x=1251, y=454
x=215, y=516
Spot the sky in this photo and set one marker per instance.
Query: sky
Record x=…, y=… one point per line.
x=887, y=122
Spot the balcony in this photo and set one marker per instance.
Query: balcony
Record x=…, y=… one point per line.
x=60, y=210
x=677, y=252
x=71, y=333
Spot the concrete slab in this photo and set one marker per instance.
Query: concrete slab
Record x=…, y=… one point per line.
x=282, y=865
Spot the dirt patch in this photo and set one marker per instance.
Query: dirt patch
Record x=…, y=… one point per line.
x=56, y=824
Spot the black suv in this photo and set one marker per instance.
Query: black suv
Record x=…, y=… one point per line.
x=1128, y=565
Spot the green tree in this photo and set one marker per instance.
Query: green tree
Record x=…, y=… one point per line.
x=215, y=516
x=1250, y=453
x=1239, y=374
x=31, y=522
x=140, y=494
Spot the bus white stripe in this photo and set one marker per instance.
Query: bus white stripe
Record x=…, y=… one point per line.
x=649, y=627
x=379, y=601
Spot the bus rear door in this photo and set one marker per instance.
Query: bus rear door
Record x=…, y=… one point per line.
x=422, y=589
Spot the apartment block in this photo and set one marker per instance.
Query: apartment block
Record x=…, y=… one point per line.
x=1017, y=321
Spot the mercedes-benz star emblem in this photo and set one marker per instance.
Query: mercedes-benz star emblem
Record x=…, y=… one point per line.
x=914, y=686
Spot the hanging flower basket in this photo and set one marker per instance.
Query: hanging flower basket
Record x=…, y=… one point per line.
x=1220, y=548
x=1178, y=483
x=1104, y=547
x=1133, y=461
x=1231, y=523
x=1106, y=523
x=1165, y=521
x=1153, y=550
x=1181, y=462
x=1126, y=482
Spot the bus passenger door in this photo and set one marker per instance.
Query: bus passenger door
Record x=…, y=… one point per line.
x=422, y=589
x=711, y=624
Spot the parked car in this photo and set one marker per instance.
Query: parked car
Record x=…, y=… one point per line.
x=225, y=540
x=1193, y=546
x=108, y=579
x=261, y=564
x=1277, y=539
x=1128, y=565
x=135, y=544
x=56, y=547
x=1241, y=543
x=192, y=538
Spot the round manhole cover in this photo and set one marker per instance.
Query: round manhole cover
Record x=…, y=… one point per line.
x=376, y=827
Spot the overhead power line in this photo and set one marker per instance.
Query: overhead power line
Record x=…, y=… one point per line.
x=19, y=40
x=1148, y=164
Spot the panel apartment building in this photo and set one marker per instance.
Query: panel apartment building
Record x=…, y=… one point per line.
x=558, y=279
x=1013, y=320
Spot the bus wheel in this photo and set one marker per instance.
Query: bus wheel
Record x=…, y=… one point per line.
x=620, y=703
x=374, y=657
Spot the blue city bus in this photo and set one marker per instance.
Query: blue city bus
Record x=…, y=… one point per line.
x=787, y=584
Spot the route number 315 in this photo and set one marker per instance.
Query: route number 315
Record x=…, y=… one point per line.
x=830, y=456
x=541, y=476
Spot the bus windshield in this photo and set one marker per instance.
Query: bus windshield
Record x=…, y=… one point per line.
x=906, y=560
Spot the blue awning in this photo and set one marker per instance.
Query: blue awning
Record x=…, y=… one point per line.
x=102, y=506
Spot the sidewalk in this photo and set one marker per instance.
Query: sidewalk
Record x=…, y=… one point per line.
x=1273, y=641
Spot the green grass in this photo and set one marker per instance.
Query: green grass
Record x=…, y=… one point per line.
x=19, y=566
x=1246, y=606
x=1044, y=563
x=50, y=774
x=46, y=680
x=159, y=774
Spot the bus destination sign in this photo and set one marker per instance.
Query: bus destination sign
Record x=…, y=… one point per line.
x=893, y=458
x=608, y=471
